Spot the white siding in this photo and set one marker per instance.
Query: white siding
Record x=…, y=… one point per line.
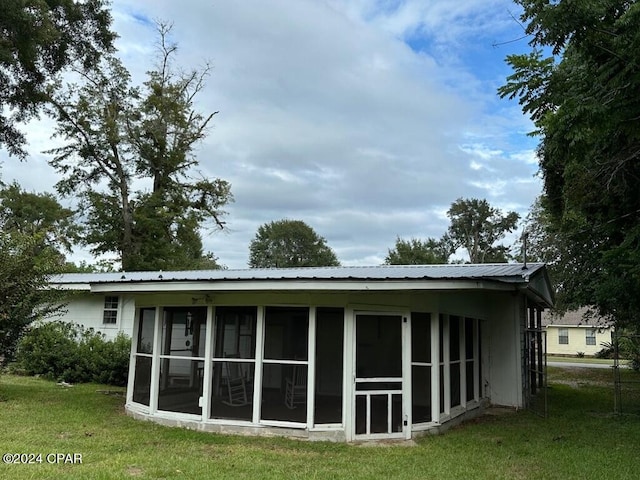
x=87, y=310
x=504, y=355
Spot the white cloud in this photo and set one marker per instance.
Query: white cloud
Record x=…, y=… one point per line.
x=329, y=113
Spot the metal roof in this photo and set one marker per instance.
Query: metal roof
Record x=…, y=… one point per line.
x=532, y=279
x=510, y=273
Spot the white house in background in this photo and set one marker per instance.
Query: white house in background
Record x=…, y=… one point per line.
x=572, y=333
x=342, y=353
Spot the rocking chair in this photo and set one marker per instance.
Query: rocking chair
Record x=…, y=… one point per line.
x=236, y=384
x=296, y=387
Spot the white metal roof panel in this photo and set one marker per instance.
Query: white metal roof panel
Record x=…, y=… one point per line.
x=512, y=272
x=532, y=277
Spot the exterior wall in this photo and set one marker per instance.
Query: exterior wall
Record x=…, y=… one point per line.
x=504, y=353
x=87, y=309
x=577, y=340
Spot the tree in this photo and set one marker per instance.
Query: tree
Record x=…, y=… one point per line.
x=542, y=242
x=121, y=135
x=477, y=227
x=418, y=252
x=289, y=243
x=38, y=39
x=34, y=215
x=582, y=98
x=27, y=261
x=35, y=233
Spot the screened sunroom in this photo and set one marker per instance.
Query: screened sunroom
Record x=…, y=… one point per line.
x=345, y=354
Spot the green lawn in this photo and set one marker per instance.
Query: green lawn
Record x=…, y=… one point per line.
x=575, y=359
x=581, y=439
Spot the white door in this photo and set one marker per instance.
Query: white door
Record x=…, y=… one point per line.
x=379, y=410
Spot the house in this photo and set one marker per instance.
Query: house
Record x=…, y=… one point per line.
x=575, y=333
x=340, y=353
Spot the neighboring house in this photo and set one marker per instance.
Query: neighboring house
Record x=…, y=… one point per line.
x=341, y=353
x=573, y=333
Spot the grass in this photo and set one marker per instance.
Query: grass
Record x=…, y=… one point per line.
x=574, y=359
x=580, y=439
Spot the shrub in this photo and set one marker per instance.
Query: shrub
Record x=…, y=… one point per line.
x=628, y=349
x=68, y=352
x=580, y=354
x=606, y=352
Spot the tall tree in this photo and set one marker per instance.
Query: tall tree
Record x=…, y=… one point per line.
x=583, y=100
x=418, y=252
x=38, y=39
x=117, y=134
x=289, y=243
x=478, y=227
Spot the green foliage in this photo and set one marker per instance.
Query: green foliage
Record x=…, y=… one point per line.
x=121, y=135
x=68, y=352
x=289, y=243
x=102, y=266
x=584, y=103
x=37, y=214
x=38, y=39
x=418, y=252
x=36, y=231
x=628, y=349
x=477, y=227
x=24, y=296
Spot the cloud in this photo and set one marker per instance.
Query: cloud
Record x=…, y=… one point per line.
x=366, y=119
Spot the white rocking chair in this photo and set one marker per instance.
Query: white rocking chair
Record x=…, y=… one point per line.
x=296, y=387
x=236, y=384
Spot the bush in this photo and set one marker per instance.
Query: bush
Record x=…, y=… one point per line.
x=628, y=349
x=68, y=352
x=606, y=352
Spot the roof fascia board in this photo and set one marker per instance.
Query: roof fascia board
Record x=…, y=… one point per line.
x=300, y=285
x=72, y=286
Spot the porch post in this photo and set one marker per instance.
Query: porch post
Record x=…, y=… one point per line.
x=257, y=381
x=407, y=396
x=208, y=355
x=133, y=357
x=348, y=375
x=311, y=368
x=435, y=366
x=155, y=362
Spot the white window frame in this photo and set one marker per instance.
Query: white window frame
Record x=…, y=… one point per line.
x=109, y=308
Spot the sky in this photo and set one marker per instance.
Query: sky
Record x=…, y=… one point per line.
x=366, y=119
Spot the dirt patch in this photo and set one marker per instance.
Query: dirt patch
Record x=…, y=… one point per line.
x=134, y=471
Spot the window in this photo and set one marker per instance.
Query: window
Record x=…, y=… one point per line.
x=285, y=364
x=328, y=376
x=421, y=364
x=143, y=357
x=234, y=355
x=110, y=314
x=591, y=336
x=182, y=344
x=454, y=361
x=563, y=336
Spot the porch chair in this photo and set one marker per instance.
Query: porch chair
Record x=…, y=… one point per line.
x=236, y=383
x=296, y=387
